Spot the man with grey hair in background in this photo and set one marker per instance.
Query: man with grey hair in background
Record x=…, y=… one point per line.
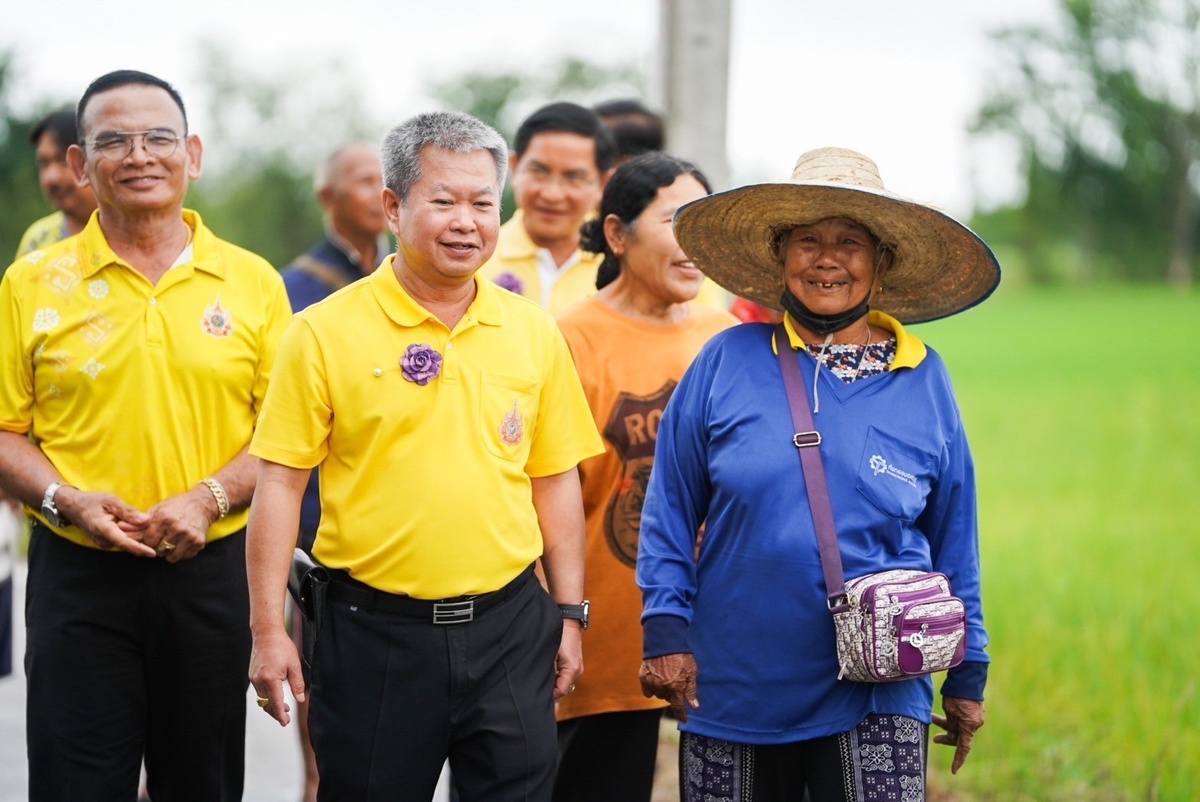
x=447, y=422
x=348, y=184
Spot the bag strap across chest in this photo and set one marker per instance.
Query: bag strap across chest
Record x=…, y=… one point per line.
x=808, y=443
x=327, y=274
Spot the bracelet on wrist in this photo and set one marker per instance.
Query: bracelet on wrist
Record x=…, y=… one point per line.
x=219, y=494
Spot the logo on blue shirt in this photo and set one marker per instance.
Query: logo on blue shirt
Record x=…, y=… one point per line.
x=880, y=465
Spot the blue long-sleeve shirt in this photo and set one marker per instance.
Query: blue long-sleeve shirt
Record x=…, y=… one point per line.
x=752, y=607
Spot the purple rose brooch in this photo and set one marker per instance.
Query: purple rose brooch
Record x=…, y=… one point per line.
x=421, y=364
x=510, y=282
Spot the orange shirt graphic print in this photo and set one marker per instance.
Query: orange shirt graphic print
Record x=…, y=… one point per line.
x=633, y=430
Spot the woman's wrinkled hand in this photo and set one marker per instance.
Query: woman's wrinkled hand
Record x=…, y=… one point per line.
x=671, y=677
x=963, y=719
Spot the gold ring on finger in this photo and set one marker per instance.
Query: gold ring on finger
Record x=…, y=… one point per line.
x=168, y=546
x=263, y=702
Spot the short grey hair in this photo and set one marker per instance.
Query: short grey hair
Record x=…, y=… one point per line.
x=449, y=130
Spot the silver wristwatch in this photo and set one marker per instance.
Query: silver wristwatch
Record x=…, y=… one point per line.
x=49, y=509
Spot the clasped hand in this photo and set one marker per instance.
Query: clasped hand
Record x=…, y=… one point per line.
x=176, y=528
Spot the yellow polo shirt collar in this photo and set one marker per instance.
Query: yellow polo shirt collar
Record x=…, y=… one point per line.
x=910, y=351
x=205, y=254
x=404, y=311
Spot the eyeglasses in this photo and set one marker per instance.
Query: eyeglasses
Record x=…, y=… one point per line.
x=574, y=179
x=116, y=146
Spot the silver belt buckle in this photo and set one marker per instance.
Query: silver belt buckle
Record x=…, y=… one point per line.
x=459, y=612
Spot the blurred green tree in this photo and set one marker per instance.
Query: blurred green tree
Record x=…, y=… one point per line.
x=504, y=99
x=264, y=135
x=1104, y=106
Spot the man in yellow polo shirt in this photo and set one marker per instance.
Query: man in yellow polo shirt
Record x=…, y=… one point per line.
x=447, y=421
x=561, y=157
x=135, y=359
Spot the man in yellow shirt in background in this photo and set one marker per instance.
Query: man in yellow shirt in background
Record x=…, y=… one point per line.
x=135, y=359
x=447, y=421
x=73, y=203
x=560, y=159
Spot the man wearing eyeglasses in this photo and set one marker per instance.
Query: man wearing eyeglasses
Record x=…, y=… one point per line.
x=135, y=358
x=560, y=160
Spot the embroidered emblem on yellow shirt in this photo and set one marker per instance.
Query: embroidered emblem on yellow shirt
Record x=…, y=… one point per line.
x=217, y=321
x=512, y=428
x=61, y=275
x=92, y=368
x=45, y=320
x=96, y=328
x=58, y=360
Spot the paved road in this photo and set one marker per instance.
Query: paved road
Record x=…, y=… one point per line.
x=272, y=754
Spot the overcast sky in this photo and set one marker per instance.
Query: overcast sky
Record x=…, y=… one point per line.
x=895, y=79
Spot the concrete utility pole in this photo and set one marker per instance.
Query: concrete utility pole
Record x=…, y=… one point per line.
x=692, y=86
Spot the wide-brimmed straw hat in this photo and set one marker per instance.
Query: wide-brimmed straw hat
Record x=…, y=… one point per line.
x=939, y=265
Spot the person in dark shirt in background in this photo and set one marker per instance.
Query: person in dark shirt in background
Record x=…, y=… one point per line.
x=349, y=187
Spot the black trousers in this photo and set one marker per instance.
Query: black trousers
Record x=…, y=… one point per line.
x=130, y=658
x=608, y=756
x=394, y=696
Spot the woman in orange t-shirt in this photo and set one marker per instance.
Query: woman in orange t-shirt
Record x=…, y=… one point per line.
x=632, y=342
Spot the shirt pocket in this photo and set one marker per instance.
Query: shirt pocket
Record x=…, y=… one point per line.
x=894, y=475
x=507, y=413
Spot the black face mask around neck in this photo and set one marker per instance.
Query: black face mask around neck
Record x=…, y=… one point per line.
x=821, y=324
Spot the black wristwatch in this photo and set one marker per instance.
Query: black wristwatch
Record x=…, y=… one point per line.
x=50, y=509
x=579, y=612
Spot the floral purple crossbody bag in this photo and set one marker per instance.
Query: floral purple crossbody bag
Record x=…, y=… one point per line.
x=890, y=625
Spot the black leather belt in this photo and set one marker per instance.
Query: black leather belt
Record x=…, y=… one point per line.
x=458, y=610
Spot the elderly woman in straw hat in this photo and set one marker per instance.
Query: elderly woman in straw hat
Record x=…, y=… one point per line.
x=737, y=633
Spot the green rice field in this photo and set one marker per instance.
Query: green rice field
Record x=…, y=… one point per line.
x=1083, y=409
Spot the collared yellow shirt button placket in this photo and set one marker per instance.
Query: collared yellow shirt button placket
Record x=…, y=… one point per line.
x=154, y=322
x=449, y=365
